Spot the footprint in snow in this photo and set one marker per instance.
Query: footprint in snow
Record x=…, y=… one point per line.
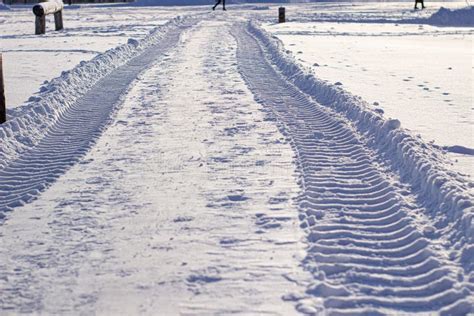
x=181, y=219
x=237, y=198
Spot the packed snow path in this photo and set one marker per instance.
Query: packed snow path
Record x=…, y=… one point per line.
x=188, y=202
x=184, y=205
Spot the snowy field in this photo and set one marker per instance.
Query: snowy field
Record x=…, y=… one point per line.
x=88, y=32
x=410, y=71
x=419, y=74
x=219, y=163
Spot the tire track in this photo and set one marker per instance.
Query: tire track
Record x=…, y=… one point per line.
x=76, y=131
x=367, y=249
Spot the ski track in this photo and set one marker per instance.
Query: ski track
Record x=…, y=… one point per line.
x=367, y=247
x=186, y=204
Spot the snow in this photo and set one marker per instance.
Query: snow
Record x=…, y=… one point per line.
x=89, y=31
x=55, y=99
x=212, y=164
x=199, y=203
x=408, y=72
x=447, y=17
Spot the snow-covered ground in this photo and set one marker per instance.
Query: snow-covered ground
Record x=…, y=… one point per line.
x=169, y=223
x=29, y=60
x=419, y=74
x=203, y=166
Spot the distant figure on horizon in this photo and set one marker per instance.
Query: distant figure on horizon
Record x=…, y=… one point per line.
x=223, y=5
x=419, y=1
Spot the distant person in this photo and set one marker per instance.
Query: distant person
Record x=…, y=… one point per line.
x=223, y=5
x=419, y=1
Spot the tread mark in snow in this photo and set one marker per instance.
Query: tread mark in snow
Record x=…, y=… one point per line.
x=75, y=132
x=365, y=252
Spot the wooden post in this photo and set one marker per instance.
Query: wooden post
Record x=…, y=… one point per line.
x=281, y=15
x=42, y=9
x=40, y=24
x=3, y=110
x=58, y=20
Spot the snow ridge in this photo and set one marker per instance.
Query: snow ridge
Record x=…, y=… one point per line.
x=369, y=252
x=29, y=123
x=447, y=17
x=446, y=195
x=42, y=143
x=443, y=17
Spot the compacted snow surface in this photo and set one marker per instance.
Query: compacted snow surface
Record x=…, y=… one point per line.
x=217, y=163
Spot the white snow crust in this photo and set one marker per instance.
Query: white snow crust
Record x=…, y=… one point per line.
x=202, y=169
x=409, y=72
x=447, y=195
x=447, y=17
x=28, y=124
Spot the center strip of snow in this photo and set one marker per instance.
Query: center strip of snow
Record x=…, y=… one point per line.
x=184, y=206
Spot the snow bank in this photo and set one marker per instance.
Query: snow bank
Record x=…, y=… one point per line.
x=26, y=125
x=4, y=7
x=447, y=17
x=447, y=196
x=443, y=17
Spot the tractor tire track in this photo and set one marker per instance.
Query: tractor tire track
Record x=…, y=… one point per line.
x=76, y=131
x=367, y=248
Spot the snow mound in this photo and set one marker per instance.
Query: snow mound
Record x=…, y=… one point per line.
x=446, y=195
x=4, y=7
x=447, y=17
x=27, y=124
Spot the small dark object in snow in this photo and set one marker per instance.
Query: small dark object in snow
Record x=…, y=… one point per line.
x=237, y=198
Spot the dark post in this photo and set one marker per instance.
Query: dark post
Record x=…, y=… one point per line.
x=3, y=110
x=40, y=24
x=58, y=20
x=281, y=15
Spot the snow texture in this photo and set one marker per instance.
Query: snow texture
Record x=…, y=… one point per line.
x=447, y=195
x=447, y=17
x=170, y=165
x=185, y=205
x=367, y=251
x=459, y=17
x=27, y=126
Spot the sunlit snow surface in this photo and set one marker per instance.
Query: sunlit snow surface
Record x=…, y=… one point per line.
x=420, y=74
x=195, y=170
x=29, y=59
